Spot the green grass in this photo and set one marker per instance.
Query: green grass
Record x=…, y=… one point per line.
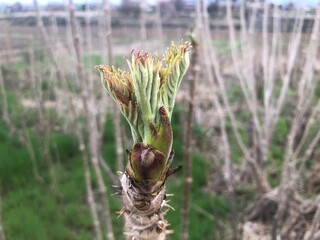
x=31, y=210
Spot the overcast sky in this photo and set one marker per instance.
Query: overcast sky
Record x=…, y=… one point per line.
x=296, y=2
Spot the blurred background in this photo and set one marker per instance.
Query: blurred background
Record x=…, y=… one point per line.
x=246, y=122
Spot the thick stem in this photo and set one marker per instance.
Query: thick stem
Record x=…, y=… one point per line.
x=143, y=209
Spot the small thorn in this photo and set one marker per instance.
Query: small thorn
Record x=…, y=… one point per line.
x=130, y=214
x=164, y=204
x=162, y=225
x=165, y=212
x=117, y=188
x=121, y=212
x=116, y=194
x=169, y=231
x=119, y=173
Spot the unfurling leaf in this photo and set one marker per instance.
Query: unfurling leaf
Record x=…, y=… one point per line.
x=119, y=85
x=177, y=63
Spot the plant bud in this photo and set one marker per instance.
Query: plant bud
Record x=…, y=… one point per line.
x=146, y=98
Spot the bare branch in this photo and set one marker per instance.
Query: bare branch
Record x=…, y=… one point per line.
x=194, y=77
x=91, y=122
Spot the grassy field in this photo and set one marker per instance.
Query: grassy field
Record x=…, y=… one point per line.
x=34, y=209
